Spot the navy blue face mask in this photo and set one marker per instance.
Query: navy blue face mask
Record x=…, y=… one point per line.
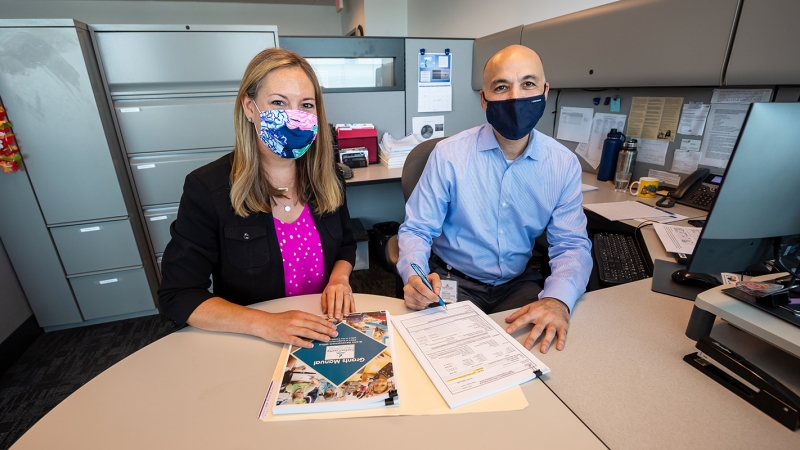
x=515, y=118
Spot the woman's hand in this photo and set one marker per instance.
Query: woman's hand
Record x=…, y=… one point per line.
x=337, y=298
x=296, y=328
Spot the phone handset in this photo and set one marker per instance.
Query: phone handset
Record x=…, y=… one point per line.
x=697, y=177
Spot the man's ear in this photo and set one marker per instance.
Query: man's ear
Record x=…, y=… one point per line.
x=483, y=99
x=546, y=89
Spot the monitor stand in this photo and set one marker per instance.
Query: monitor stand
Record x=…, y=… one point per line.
x=662, y=281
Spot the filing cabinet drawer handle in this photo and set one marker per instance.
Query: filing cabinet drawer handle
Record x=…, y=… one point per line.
x=86, y=230
x=153, y=219
x=145, y=166
x=111, y=280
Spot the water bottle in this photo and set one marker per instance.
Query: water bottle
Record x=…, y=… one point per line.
x=608, y=161
x=625, y=164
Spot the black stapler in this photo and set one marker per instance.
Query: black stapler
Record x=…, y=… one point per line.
x=747, y=381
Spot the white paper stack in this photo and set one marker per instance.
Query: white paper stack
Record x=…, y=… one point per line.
x=393, y=152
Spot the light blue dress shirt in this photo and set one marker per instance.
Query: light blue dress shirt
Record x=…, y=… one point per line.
x=481, y=214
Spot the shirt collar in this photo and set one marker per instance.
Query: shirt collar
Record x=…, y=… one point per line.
x=488, y=141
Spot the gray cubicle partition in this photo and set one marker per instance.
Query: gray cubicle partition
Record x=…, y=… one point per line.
x=173, y=89
x=52, y=90
x=584, y=99
x=485, y=47
x=630, y=43
x=766, y=45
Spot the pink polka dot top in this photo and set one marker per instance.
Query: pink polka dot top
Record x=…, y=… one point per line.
x=301, y=250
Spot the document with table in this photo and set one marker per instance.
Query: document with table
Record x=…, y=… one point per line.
x=465, y=353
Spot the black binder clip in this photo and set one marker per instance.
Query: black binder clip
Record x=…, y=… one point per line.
x=749, y=382
x=422, y=51
x=447, y=51
x=393, y=396
x=538, y=373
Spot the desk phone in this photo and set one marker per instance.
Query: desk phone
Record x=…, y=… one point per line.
x=698, y=189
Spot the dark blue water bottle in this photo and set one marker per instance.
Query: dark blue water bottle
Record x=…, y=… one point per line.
x=608, y=161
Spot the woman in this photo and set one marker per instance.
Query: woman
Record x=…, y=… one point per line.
x=269, y=220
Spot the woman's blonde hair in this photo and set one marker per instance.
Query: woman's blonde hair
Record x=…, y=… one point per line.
x=315, y=178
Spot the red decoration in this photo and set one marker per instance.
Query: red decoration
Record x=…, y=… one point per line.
x=10, y=158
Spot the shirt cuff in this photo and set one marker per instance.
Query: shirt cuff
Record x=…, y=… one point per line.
x=562, y=290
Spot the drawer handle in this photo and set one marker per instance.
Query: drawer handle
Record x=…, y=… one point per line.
x=86, y=230
x=127, y=110
x=145, y=166
x=112, y=280
x=153, y=219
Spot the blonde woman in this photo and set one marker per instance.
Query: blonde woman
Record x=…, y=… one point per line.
x=269, y=220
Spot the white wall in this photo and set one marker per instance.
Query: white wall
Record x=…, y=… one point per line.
x=14, y=309
x=386, y=17
x=478, y=18
x=298, y=20
x=352, y=15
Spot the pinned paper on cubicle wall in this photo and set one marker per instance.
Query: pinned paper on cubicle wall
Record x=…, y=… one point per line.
x=425, y=128
x=602, y=123
x=685, y=161
x=654, y=118
x=725, y=121
x=434, y=81
x=575, y=124
x=693, y=118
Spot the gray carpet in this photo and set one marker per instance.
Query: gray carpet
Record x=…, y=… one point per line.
x=60, y=362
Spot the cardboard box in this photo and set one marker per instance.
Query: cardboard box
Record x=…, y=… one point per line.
x=364, y=135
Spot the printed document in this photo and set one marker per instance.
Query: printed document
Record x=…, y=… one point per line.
x=654, y=117
x=575, y=124
x=741, y=96
x=724, y=124
x=601, y=125
x=465, y=353
x=677, y=239
x=626, y=210
x=693, y=119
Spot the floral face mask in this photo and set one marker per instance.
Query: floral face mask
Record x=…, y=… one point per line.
x=289, y=133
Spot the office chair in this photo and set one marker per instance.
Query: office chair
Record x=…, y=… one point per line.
x=412, y=170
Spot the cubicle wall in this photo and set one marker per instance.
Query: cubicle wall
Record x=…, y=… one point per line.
x=658, y=48
x=173, y=89
x=391, y=109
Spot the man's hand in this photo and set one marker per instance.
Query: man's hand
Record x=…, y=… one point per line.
x=547, y=315
x=295, y=327
x=417, y=295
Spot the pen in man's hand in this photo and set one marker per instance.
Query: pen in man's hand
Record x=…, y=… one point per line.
x=427, y=283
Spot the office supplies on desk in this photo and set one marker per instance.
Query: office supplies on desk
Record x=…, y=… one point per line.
x=354, y=135
x=746, y=380
x=619, y=259
x=393, y=152
x=440, y=338
x=427, y=283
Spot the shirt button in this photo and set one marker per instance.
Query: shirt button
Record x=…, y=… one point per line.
x=505, y=204
x=502, y=259
x=246, y=236
x=501, y=231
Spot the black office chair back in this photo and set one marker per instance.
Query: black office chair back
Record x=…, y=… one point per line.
x=415, y=164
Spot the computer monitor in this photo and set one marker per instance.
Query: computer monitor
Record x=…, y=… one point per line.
x=759, y=198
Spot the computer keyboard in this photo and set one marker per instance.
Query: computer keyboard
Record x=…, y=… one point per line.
x=619, y=259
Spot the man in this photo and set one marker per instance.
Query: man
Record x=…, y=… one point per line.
x=483, y=198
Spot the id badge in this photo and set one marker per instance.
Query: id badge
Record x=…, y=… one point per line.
x=449, y=291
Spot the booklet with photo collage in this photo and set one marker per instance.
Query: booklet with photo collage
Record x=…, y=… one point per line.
x=354, y=370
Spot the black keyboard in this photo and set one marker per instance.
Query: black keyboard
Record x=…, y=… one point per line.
x=619, y=259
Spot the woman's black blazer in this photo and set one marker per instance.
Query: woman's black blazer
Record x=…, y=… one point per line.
x=240, y=253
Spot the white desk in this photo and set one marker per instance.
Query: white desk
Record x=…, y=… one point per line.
x=375, y=173
x=203, y=390
x=622, y=373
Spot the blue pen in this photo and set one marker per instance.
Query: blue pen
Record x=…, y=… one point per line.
x=427, y=283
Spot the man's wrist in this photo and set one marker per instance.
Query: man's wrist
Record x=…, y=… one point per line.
x=563, y=303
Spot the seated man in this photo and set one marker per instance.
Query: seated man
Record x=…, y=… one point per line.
x=486, y=194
